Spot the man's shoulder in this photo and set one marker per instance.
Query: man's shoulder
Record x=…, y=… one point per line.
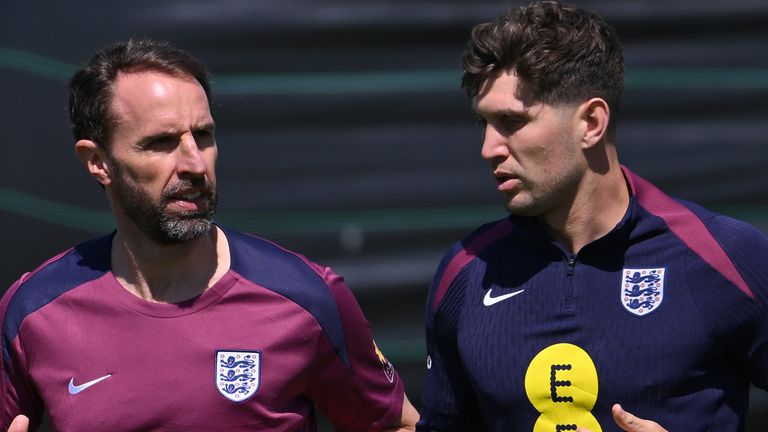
x=735, y=249
x=463, y=253
x=484, y=238
x=744, y=244
x=269, y=265
x=62, y=273
x=258, y=258
x=76, y=264
x=689, y=220
x=741, y=241
x=727, y=228
x=314, y=288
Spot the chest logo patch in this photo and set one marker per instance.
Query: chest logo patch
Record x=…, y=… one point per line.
x=238, y=374
x=642, y=290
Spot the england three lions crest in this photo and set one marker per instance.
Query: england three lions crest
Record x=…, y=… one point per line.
x=642, y=290
x=238, y=374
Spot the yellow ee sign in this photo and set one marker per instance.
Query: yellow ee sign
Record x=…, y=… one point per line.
x=561, y=383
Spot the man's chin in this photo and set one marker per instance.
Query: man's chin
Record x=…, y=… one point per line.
x=520, y=209
x=182, y=230
x=177, y=214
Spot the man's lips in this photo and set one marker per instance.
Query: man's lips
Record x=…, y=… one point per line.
x=506, y=182
x=189, y=200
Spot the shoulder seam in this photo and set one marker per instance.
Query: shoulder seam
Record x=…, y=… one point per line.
x=466, y=255
x=689, y=228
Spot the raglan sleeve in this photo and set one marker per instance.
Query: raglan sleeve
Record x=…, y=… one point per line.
x=754, y=267
x=354, y=384
x=18, y=393
x=448, y=402
x=746, y=312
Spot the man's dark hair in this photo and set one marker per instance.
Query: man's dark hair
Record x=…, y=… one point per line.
x=562, y=53
x=91, y=87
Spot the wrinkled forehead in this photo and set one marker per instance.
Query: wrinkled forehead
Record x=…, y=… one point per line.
x=504, y=88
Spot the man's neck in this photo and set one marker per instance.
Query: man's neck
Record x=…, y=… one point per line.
x=169, y=273
x=598, y=206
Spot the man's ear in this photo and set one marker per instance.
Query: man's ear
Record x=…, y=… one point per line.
x=94, y=158
x=593, y=116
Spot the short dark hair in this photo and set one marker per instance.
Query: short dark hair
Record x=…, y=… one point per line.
x=565, y=54
x=90, y=88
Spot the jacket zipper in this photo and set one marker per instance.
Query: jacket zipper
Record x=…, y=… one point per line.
x=571, y=261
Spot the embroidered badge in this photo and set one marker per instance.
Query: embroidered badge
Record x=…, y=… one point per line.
x=238, y=374
x=642, y=290
x=389, y=370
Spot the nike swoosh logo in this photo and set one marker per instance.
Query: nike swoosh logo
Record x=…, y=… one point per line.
x=75, y=389
x=489, y=300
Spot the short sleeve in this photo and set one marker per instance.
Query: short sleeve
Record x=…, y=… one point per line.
x=18, y=393
x=356, y=387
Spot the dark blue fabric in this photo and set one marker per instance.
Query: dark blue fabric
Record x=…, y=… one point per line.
x=85, y=262
x=687, y=364
x=285, y=273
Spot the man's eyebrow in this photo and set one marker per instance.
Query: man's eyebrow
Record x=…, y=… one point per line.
x=500, y=112
x=161, y=133
x=173, y=133
x=157, y=136
x=207, y=126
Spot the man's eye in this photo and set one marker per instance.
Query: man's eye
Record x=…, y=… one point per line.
x=512, y=123
x=163, y=141
x=203, y=138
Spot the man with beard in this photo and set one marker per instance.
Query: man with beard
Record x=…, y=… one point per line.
x=599, y=292
x=173, y=322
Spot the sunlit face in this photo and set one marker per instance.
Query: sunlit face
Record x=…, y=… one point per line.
x=162, y=156
x=532, y=147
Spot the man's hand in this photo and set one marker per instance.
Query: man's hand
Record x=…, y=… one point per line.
x=630, y=423
x=19, y=424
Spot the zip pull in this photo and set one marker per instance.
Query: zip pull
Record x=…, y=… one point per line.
x=571, y=263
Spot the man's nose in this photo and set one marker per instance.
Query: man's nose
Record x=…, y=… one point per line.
x=494, y=144
x=190, y=156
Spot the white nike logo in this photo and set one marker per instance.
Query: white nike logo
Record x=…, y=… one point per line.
x=490, y=301
x=75, y=389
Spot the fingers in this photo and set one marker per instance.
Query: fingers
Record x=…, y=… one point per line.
x=625, y=420
x=629, y=422
x=19, y=424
